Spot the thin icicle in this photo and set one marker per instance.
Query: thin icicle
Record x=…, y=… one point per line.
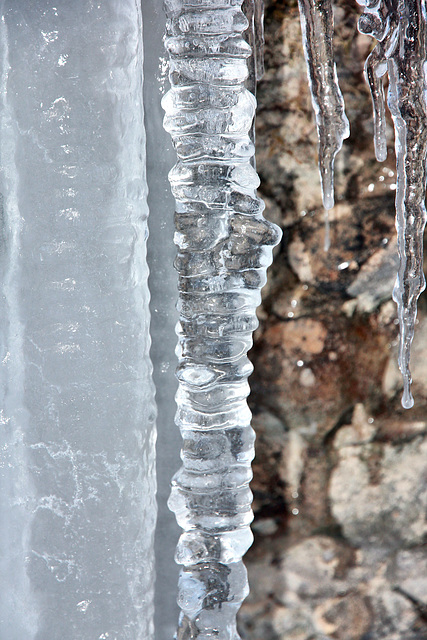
x=317, y=25
x=254, y=36
x=259, y=37
x=374, y=80
x=375, y=69
x=253, y=11
x=401, y=27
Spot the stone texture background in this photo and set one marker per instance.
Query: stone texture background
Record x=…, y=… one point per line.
x=340, y=475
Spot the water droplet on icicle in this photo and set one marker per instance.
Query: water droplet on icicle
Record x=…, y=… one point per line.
x=407, y=398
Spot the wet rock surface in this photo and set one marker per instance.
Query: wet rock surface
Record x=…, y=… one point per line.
x=340, y=474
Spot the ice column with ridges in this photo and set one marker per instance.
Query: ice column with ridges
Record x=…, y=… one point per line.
x=224, y=247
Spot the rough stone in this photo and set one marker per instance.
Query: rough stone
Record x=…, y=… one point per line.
x=310, y=569
x=376, y=495
x=375, y=280
x=409, y=575
x=306, y=336
x=361, y=430
x=299, y=260
x=340, y=470
x=419, y=358
x=395, y=617
x=346, y=617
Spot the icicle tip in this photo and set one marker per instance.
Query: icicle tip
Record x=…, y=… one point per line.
x=407, y=397
x=327, y=182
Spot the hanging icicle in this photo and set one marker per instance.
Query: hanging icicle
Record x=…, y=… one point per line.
x=400, y=28
x=77, y=438
x=253, y=10
x=224, y=248
x=317, y=24
x=254, y=36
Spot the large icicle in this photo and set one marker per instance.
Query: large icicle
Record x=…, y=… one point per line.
x=317, y=26
x=400, y=27
x=77, y=477
x=224, y=247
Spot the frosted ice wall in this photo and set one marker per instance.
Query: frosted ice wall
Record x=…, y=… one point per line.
x=77, y=482
x=224, y=248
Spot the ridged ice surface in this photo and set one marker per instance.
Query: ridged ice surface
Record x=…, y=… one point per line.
x=400, y=28
x=77, y=484
x=317, y=25
x=224, y=247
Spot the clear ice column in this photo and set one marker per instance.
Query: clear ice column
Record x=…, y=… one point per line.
x=224, y=247
x=77, y=505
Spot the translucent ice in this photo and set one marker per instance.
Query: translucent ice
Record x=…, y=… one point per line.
x=164, y=316
x=77, y=506
x=254, y=36
x=332, y=125
x=400, y=27
x=224, y=247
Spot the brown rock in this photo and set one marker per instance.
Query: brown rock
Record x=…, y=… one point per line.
x=304, y=336
x=347, y=617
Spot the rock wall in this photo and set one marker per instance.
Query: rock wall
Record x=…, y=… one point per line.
x=340, y=475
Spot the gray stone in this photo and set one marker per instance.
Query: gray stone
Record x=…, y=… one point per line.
x=375, y=280
x=376, y=494
x=309, y=570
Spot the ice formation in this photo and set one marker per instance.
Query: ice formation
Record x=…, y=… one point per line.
x=400, y=28
x=224, y=248
x=317, y=24
x=162, y=283
x=254, y=36
x=77, y=484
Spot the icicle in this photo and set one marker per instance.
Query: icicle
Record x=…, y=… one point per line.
x=259, y=38
x=400, y=25
x=77, y=437
x=254, y=36
x=332, y=125
x=224, y=247
x=375, y=69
